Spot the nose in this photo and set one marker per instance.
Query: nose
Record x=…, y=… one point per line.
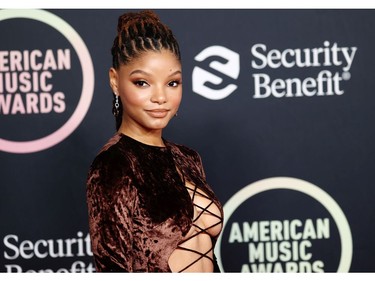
x=159, y=96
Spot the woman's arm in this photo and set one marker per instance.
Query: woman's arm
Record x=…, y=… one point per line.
x=110, y=204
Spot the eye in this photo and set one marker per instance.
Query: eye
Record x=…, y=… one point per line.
x=140, y=83
x=174, y=83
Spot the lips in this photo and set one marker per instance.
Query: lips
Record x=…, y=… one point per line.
x=158, y=113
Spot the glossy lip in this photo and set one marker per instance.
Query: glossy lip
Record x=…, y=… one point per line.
x=158, y=113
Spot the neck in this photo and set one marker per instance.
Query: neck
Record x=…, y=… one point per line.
x=153, y=137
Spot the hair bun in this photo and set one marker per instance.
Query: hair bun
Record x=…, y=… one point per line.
x=132, y=18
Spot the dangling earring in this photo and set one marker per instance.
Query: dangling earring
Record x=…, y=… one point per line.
x=116, y=104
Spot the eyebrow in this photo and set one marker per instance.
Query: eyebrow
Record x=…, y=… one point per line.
x=139, y=71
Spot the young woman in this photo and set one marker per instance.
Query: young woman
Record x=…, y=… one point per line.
x=150, y=207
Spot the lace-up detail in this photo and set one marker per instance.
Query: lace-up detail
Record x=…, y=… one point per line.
x=146, y=215
x=206, y=226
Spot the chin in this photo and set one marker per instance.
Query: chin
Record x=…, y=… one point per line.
x=159, y=126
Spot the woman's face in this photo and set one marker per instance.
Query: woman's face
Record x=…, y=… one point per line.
x=150, y=88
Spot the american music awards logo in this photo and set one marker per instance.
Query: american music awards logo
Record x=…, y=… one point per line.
x=46, y=80
x=284, y=224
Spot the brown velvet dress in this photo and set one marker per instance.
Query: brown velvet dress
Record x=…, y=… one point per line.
x=139, y=207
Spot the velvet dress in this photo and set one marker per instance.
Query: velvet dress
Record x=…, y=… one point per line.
x=140, y=209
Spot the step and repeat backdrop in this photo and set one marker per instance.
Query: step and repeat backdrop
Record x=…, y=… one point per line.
x=279, y=103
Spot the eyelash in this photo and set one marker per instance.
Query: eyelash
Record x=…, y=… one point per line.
x=142, y=83
x=176, y=82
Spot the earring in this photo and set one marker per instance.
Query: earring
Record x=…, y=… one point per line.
x=116, y=104
x=175, y=114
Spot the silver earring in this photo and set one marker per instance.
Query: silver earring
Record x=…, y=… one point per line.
x=116, y=110
x=175, y=114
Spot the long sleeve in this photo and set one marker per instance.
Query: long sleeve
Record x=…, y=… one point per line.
x=110, y=202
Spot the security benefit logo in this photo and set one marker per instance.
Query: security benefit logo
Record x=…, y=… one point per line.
x=222, y=63
x=284, y=224
x=46, y=80
x=294, y=72
x=321, y=70
x=72, y=254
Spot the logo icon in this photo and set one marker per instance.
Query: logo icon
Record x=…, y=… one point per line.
x=202, y=78
x=268, y=232
x=38, y=94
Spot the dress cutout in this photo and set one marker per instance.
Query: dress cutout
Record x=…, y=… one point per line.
x=205, y=210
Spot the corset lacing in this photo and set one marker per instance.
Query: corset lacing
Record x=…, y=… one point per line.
x=203, y=210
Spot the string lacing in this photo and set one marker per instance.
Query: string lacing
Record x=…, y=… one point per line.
x=203, y=210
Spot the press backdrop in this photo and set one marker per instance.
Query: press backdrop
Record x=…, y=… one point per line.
x=279, y=103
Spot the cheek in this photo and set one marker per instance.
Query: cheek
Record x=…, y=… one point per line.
x=131, y=97
x=132, y=100
x=176, y=99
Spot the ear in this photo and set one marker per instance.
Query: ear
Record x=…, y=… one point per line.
x=113, y=80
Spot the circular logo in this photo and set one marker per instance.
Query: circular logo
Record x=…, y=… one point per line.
x=278, y=225
x=203, y=80
x=26, y=82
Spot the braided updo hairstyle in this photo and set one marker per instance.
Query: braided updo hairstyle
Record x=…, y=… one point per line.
x=139, y=32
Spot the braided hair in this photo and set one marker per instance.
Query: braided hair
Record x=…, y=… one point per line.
x=139, y=32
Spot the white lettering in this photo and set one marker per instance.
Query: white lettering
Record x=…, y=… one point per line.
x=275, y=230
x=26, y=246
x=10, y=82
x=37, y=251
x=10, y=246
x=76, y=267
x=255, y=53
x=290, y=267
x=256, y=252
x=235, y=233
x=31, y=103
x=26, y=249
x=329, y=55
x=35, y=60
x=10, y=267
x=325, y=84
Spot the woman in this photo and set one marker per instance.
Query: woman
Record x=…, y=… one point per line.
x=150, y=207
